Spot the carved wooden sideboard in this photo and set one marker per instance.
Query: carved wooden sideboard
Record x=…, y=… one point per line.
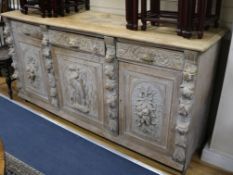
x=148, y=93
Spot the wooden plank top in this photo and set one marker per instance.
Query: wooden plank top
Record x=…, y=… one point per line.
x=2, y=158
x=114, y=25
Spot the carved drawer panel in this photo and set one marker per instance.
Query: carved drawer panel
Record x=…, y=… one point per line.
x=32, y=74
x=76, y=41
x=80, y=83
x=148, y=105
x=149, y=55
x=26, y=29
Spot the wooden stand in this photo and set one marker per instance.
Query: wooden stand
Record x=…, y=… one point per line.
x=53, y=7
x=192, y=15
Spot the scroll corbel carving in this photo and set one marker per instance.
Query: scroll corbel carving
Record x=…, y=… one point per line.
x=111, y=85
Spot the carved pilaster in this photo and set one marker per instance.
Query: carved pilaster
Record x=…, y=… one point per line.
x=111, y=85
x=184, y=118
x=10, y=42
x=46, y=52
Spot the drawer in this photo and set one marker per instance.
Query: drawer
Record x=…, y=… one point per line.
x=76, y=41
x=150, y=55
x=26, y=29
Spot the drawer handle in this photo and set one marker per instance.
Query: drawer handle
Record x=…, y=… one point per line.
x=74, y=47
x=147, y=58
x=73, y=43
x=26, y=33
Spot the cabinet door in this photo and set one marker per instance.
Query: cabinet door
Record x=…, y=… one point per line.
x=32, y=74
x=148, y=109
x=81, y=89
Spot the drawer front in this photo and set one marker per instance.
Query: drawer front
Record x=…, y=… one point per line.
x=148, y=108
x=78, y=42
x=150, y=55
x=26, y=29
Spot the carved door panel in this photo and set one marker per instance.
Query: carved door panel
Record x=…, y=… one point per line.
x=80, y=83
x=148, y=108
x=33, y=77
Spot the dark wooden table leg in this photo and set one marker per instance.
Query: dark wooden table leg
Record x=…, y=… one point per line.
x=180, y=18
x=60, y=7
x=48, y=7
x=7, y=70
x=54, y=7
x=217, y=12
x=155, y=10
x=87, y=4
x=23, y=8
x=201, y=15
x=144, y=14
x=188, y=9
x=67, y=6
x=132, y=14
x=42, y=8
x=8, y=82
x=76, y=6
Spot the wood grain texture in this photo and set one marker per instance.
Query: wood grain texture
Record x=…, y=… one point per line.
x=114, y=25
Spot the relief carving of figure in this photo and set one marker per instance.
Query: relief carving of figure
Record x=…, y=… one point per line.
x=80, y=89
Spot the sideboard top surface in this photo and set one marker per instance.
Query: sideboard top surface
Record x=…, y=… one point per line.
x=114, y=25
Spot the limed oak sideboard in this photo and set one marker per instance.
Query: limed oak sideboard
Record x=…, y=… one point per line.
x=148, y=91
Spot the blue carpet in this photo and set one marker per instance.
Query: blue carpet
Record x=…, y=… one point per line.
x=54, y=150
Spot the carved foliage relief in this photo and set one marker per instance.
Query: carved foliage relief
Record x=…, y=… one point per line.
x=9, y=41
x=160, y=57
x=147, y=106
x=76, y=41
x=33, y=69
x=186, y=101
x=111, y=85
x=46, y=51
x=80, y=89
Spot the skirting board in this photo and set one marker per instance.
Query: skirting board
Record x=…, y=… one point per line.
x=216, y=158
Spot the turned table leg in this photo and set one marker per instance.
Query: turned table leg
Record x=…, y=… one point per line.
x=23, y=8
x=180, y=18
x=144, y=14
x=60, y=7
x=188, y=9
x=132, y=14
x=42, y=8
x=201, y=15
x=155, y=10
x=87, y=4
x=76, y=6
x=217, y=12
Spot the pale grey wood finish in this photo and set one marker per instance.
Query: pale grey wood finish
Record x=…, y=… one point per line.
x=81, y=85
x=31, y=65
x=161, y=92
x=148, y=105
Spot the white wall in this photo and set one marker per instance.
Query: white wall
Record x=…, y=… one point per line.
x=219, y=151
x=227, y=13
x=118, y=7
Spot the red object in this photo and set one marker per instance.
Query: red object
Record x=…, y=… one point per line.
x=191, y=16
